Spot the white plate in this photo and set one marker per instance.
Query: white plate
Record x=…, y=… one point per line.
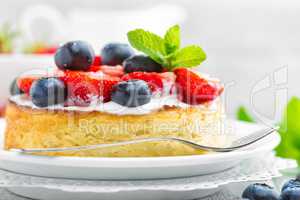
x=252, y=170
x=136, y=168
x=50, y=194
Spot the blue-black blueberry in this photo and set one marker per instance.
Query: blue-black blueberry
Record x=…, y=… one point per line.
x=74, y=55
x=48, y=91
x=131, y=93
x=259, y=191
x=141, y=63
x=115, y=53
x=291, y=190
x=291, y=183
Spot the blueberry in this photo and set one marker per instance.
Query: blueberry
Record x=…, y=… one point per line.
x=48, y=91
x=291, y=183
x=75, y=55
x=131, y=93
x=141, y=63
x=260, y=192
x=14, y=89
x=115, y=53
x=290, y=193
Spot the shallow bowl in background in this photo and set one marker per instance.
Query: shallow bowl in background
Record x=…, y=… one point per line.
x=13, y=65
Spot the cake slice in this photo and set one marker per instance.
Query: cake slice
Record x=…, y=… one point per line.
x=118, y=96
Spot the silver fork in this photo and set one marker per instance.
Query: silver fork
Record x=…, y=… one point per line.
x=235, y=145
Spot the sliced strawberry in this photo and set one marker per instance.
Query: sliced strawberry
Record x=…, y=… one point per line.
x=85, y=88
x=24, y=83
x=78, y=88
x=193, y=89
x=168, y=76
x=106, y=86
x=95, y=68
x=153, y=79
x=117, y=71
x=82, y=90
x=169, y=82
x=97, y=61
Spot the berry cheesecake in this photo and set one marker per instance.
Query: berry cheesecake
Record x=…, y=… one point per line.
x=118, y=96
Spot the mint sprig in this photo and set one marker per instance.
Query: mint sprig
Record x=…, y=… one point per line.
x=289, y=131
x=172, y=39
x=166, y=50
x=149, y=43
x=243, y=115
x=289, y=146
x=188, y=57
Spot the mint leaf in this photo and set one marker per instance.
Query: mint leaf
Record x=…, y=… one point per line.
x=172, y=39
x=189, y=56
x=289, y=146
x=289, y=131
x=166, y=51
x=149, y=43
x=243, y=115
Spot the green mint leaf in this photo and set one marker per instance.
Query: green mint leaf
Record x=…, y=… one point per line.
x=166, y=51
x=289, y=131
x=243, y=115
x=149, y=43
x=189, y=56
x=172, y=39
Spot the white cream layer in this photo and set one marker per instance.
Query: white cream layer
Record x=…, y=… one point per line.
x=155, y=104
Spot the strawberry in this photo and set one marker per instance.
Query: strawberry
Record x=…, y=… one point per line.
x=193, y=89
x=106, y=86
x=24, y=83
x=95, y=68
x=81, y=89
x=97, y=61
x=117, y=71
x=84, y=87
x=153, y=79
x=168, y=76
x=169, y=82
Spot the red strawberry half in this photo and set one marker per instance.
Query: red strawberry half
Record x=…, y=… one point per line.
x=153, y=79
x=95, y=68
x=24, y=83
x=84, y=88
x=193, y=89
x=97, y=61
x=117, y=71
x=106, y=84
